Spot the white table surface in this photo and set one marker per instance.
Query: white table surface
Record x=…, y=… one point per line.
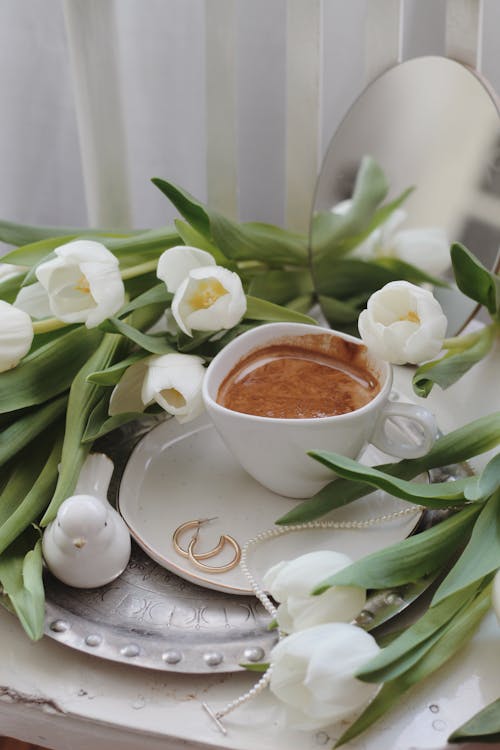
x=64, y=699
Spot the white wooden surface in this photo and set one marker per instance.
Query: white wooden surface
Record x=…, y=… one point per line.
x=62, y=699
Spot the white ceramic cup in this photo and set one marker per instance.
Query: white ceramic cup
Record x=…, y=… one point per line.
x=274, y=451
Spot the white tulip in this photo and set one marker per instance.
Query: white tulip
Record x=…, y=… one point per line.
x=313, y=674
x=403, y=323
x=16, y=335
x=176, y=263
x=83, y=283
x=173, y=381
x=210, y=298
x=427, y=248
x=291, y=583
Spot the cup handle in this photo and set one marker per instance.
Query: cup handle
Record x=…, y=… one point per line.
x=420, y=440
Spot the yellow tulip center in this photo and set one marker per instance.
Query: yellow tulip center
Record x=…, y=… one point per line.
x=207, y=293
x=412, y=316
x=173, y=397
x=82, y=285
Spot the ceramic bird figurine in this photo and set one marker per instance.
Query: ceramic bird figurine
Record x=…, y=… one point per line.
x=88, y=543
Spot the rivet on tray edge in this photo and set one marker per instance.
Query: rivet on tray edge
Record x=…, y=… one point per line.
x=171, y=657
x=213, y=658
x=255, y=653
x=59, y=626
x=93, y=640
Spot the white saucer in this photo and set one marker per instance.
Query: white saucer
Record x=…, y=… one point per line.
x=179, y=473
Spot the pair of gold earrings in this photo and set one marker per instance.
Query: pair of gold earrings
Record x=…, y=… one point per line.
x=197, y=557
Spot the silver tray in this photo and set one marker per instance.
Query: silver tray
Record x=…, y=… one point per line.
x=151, y=618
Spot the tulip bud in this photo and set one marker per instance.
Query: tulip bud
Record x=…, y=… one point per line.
x=314, y=671
x=291, y=583
x=16, y=335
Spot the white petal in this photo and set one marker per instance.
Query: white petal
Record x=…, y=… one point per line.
x=174, y=381
x=126, y=395
x=300, y=575
x=16, y=335
x=191, y=309
x=176, y=263
x=428, y=249
x=8, y=270
x=82, y=251
x=34, y=300
x=337, y=604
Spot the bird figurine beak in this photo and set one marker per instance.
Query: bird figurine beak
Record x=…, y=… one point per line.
x=80, y=542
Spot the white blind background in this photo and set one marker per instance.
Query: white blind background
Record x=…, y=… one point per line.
x=148, y=73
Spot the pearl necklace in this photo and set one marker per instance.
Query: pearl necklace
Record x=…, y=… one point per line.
x=265, y=600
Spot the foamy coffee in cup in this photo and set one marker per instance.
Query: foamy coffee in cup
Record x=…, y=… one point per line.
x=302, y=377
x=283, y=389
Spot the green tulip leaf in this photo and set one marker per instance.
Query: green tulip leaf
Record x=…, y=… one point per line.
x=280, y=286
x=28, y=427
x=405, y=650
x=9, y=288
x=258, y=241
x=450, y=368
x=481, y=555
x=47, y=371
x=143, y=246
x=112, y=375
x=431, y=495
x=154, y=343
x=334, y=234
x=154, y=295
x=459, y=445
x=83, y=397
x=487, y=482
x=344, y=278
x=338, y=313
x=474, y=280
x=261, y=309
x=36, y=500
x=408, y=560
x=191, y=237
x=453, y=638
x=192, y=210
x=33, y=254
x=25, y=468
x=409, y=272
x=250, y=241
x=482, y=727
x=21, y=575
x=24, y=234
x=100, y=424
x=263, y=667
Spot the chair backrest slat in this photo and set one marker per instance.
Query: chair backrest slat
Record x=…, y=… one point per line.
x=91, y=34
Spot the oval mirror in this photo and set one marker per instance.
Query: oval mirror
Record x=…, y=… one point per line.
x=414, y=164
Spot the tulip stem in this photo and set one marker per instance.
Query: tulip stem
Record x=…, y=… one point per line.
x=47, y=325
x=465, y=342
x=142, y=268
